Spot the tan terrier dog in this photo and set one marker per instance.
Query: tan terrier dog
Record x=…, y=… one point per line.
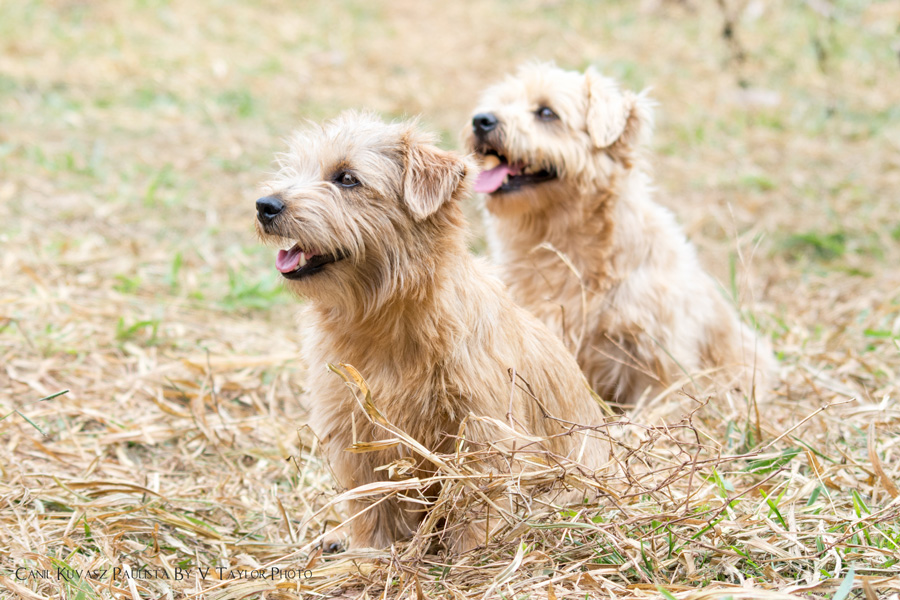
x=376, y=240
x=582, y=244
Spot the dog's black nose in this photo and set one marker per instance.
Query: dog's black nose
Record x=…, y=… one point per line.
x=484, y=122
x=267, y=208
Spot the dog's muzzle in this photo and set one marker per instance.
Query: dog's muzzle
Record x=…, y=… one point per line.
x=267, y=208
x=484, y=123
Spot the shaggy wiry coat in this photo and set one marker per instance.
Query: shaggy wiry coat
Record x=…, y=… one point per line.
x=582, y=244
x=375, y=208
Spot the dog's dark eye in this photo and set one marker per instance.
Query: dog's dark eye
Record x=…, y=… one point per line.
x=546, y=114
x=346, y=179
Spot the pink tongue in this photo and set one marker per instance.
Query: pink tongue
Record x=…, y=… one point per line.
x=489, y=181
x=288, y=260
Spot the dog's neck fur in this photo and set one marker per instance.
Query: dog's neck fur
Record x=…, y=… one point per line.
x=408, y=327
x=587, y=235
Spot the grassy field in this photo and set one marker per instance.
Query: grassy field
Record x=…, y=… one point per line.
x=132, y=135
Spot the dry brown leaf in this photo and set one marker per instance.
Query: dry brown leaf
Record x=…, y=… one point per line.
x=889, y=486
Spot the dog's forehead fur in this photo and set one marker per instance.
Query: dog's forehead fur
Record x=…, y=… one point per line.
x=357, y=142
x=539, y=85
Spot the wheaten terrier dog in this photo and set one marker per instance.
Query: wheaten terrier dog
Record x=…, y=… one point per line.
x=572, y=222
x=369, y=214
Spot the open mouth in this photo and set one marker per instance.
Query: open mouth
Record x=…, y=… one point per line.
x=297, y=263
x=499, y=175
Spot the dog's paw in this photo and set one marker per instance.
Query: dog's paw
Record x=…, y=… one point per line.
x=333, y=543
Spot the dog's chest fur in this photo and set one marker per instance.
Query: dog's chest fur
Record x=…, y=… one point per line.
x=618, y=281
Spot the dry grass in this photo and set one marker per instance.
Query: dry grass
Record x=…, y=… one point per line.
x=131, y=138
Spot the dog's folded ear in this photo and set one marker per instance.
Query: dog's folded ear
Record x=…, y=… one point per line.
x=432, y=178
x=613, y=115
